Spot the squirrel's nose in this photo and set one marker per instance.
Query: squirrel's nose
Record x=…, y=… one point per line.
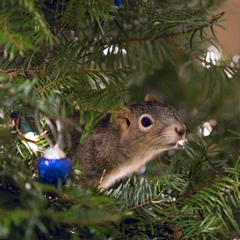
x=180, y=130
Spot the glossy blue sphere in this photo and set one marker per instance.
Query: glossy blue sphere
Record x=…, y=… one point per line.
x=54, y=170
x=118, y=3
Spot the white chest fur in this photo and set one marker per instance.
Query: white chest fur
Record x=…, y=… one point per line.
x=135, y=165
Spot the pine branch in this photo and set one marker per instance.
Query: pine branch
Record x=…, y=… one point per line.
x=10, y=36
x=31, y=72
x=170, y=35
x=69, y=57
x=170, y=201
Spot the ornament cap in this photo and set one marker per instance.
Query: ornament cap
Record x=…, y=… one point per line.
x=54, y=153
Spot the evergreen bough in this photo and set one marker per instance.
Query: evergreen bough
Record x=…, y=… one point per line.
x=61, y=55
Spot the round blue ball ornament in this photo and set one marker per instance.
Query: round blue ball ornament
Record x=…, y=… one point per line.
x=54, y=166
x=118, y=3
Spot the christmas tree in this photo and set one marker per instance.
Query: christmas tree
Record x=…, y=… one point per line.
x=62, y=56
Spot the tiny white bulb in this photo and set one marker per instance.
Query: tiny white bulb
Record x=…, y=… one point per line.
x=28, y=186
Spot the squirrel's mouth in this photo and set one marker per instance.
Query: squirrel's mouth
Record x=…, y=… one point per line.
x=180, y=144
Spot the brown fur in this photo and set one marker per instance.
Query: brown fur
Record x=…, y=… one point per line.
x=122, y=147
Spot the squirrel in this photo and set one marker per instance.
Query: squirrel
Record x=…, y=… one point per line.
x=117, y=149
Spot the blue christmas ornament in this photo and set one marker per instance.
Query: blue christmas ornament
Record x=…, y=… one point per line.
x=118, y=3
x=54, y=166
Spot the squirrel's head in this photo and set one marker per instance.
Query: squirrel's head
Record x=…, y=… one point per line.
x=150, y=127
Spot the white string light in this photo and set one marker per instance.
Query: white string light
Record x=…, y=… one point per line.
x=115, y=50
x=211, y=57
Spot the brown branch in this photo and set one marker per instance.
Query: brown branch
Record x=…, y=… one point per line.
x=194, y=191
x=3, y=24
x=91, y=70
x=146, y=203
x=50, y=84
x=31, y=72
x=169, y=35
x=54, y=117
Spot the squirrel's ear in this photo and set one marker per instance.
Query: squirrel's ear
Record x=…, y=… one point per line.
x=123, y=117
x=151, y=98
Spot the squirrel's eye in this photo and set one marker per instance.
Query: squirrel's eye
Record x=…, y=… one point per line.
x=146, y=122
